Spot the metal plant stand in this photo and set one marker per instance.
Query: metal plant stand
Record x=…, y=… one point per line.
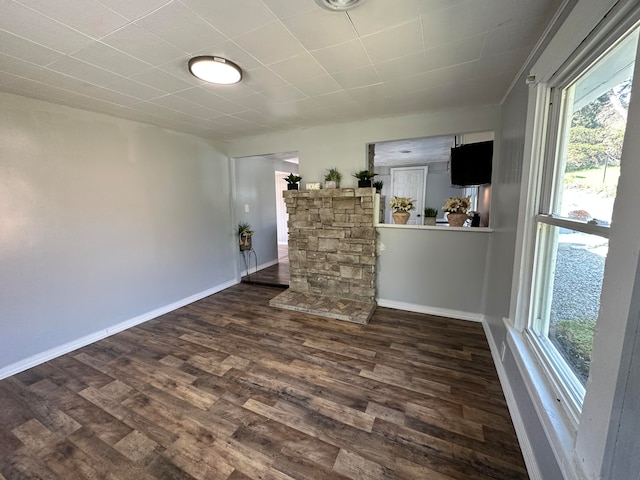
x=246, y=255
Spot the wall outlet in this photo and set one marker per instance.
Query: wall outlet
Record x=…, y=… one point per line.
x=246, y=208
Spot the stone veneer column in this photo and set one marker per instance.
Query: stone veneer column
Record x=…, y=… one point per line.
x=332, y=242
x=332, y=252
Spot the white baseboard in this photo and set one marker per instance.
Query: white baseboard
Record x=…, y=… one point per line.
x=260, y=267
x=440, y=312
x=530, y=461
x=52, y=353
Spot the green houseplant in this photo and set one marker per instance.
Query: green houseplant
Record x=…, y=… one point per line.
x=332, y=179
x=292, y=181
x=378, y=185
x=430, y=215
x=364, y=178
x=245, y=233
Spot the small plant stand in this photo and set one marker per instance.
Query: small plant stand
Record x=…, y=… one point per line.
x=246, y=255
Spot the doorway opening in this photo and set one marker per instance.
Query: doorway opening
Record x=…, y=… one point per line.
x=259, y=182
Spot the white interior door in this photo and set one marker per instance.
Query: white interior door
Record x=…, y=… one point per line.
x=411, y=182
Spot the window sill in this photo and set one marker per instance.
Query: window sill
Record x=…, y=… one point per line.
x=555, y=421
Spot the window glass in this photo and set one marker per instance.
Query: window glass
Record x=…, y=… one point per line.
x=572, y=244
x=572, y=295
x=595, y=119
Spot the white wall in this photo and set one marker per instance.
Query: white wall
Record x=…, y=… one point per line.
x=255, y=187
x=102, y=220
x=437, y=271
x=345, y=145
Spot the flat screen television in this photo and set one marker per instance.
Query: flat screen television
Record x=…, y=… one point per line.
x=471, y=164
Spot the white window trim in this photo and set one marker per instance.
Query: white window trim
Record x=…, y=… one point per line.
x=559, y=426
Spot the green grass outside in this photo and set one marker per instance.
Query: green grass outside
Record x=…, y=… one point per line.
x=596, y=180
x=576, y=340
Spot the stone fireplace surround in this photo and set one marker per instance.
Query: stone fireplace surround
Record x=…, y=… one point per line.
x=332, y=253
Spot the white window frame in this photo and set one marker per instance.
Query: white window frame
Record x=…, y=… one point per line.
x=546, y=141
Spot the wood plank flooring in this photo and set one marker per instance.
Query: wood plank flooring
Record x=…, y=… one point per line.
x=276, y=275
x=229, y=388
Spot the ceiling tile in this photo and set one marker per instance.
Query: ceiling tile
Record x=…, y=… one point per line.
x=298, y=68
x=368, y=93
x=210, y=101
x=232, y=17
x=454, y=53
x=270, y=43
x=110, y=59
x=179, y=26
x=406, y=66
x=284, y=94
x=380, y=16
x=143, y=44
x=133, y=10
x=357, y=77
x=466, y=20
x=304, y=67
x=110, y=96
x=183, y=105
x=263, y=78
x=311, y=28
x=511, y=37
x=34, y=26
x=344, y=56
x=395, y=42
x=84, y=71
x=26, y=50
x=92, y=18
x=320, y=85
x=17, y=66
x=161, y=80
x=136, y=89
x=289, y=8
x=231, y=51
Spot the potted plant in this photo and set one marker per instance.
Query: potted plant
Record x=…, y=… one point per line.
x=430, y=215
x=378, y=185
x=364, y=178
x=245, y=233
x=401, y=207
x=456, y=208
x=292, y=181
x=332, y=179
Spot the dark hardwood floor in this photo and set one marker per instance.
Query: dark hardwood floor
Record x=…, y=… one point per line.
x=276, y=275
x=230, y=388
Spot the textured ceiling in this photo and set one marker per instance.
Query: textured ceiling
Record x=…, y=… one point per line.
x=302, y=65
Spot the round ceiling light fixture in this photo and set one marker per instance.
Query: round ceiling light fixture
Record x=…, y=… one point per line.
x=339, y=5
x=215, y=70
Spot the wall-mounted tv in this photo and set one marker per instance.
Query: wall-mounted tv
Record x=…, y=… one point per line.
x=471, y=164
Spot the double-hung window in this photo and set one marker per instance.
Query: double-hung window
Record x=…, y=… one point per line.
x=579, y=176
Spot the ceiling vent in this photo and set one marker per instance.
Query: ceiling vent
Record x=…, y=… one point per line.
x=339, y=5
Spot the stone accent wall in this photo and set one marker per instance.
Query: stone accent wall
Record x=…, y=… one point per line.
x=332, y=243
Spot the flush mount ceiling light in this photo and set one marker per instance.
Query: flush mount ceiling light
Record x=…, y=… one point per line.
x=339, y=5
x=215, y=70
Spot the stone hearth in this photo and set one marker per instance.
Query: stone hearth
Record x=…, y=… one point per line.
x=332, y=253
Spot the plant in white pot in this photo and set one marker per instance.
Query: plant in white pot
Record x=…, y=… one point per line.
x=430, y=215
x=332, y=179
